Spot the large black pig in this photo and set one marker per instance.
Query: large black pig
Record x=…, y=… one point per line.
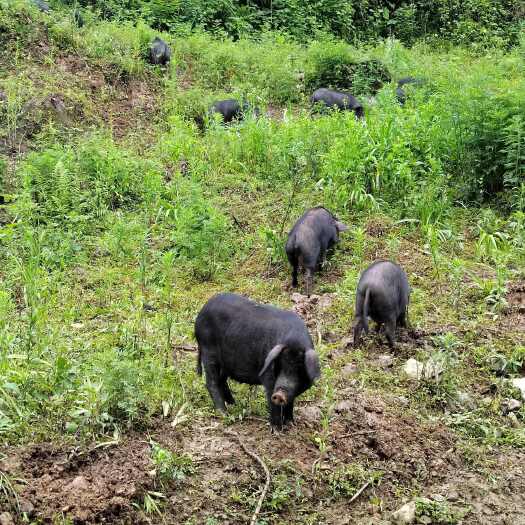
x=231, y=109
x=383, y=294
x=312, y=236
x=255, y=344
x=400, y=92
x=159, y=52
x=338, y=99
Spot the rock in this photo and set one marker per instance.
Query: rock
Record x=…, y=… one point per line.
x=462, y=401
x=26, y=507
x=433, y=369
x=385, y=361
x=298, y=297
x=519, y=383
x=418, y=370
x=349, y=370
x=6, y=519
x=3, y=96
x=343, y=406
x=326, y=300
x=402, y=401
x=347, y=342
x=513, y=420
x=438, y=497
x=311, y=414
x=406, y=514
x=510, y=405
x=79, y=483
x=413, y=369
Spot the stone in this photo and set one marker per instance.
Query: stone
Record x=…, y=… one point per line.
x=402, y=401
x=405, y=515
x=413, y=369
x=439, y=498
x=312, y=413
x=385, y=361
x=343, y=406
x=6, y=519
x=462, y=401
x=519, y=383
x=511, y=405
x=349, y=370
x=513, y=420
x=417, y=370
x=79, y=483
x=26, y=507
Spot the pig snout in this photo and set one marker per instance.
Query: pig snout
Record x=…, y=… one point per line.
x=280, y=397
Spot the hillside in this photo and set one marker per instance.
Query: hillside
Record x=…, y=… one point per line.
x=124, y=208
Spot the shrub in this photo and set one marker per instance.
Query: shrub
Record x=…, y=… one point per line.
x=76, y=186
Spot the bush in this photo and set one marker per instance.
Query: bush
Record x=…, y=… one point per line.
x=76, y=186
x=336, y=66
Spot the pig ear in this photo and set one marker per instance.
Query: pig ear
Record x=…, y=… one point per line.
x=341, y=226
x=311, y=363
x=272, y=355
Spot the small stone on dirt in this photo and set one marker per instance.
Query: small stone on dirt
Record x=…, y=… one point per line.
x=513, y=420
x=405, y=515
x=79, y=483
x=519, y=383
x=413, y=368
x=311, y=414
x=417, y=370
x=343, y=406
x=6, y=519
x=511, y=405
x=349, y=370
x=385, y=361
x=462, y=401
x=26, y=507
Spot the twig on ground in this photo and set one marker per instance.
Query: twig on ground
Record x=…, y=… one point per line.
x=360, y=491
x=360, y=433
x=185, y=347
x=254, y=456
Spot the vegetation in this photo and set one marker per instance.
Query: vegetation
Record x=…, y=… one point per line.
x=120, y=217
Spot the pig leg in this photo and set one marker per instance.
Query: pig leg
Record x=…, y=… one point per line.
x=288, y=413
x=227, y=394
x=309, y=281
x=402, y=320
x=390, y=331
x=294, y=276
x=213, y=384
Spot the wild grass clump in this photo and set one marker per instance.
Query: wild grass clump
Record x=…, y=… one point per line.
x=77, y=186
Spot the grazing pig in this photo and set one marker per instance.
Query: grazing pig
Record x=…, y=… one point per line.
x=400, y=92
x=231, y=109
x=383, y=294
x=338, y=99
x=312, y=236
x=159, y=52
x=255, y=344
x=43, y=6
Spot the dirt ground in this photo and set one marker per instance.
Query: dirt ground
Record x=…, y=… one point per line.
x=102, y=484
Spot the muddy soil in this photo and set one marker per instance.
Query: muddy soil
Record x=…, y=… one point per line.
x=108, y=484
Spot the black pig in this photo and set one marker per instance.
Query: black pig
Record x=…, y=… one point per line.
x=312, y=236
x=338, y=99
x=159, y=52
x=383, y=294
x=255, y=344
x=400, y=92
x=231, y=109
x=43, y=6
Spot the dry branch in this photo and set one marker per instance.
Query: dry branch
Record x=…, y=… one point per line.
x=254, y=456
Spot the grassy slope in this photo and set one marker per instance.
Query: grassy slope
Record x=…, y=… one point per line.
x=92, y=321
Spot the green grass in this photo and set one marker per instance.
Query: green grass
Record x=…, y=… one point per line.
x=112, y=242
